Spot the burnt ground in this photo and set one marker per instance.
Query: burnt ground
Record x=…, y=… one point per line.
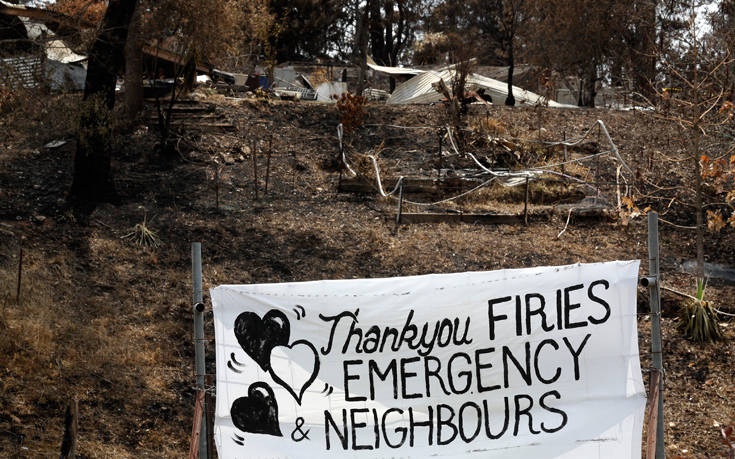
x=107, y=321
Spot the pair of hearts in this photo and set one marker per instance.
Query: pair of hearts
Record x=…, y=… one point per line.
x=266, y=341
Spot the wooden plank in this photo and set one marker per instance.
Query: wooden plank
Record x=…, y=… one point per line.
x=202, y=126
x=485, y=219
x=193, y=109
x=652, y=415
x=184, y=117
x=410, y=185
x=197, y=427
x=581, y=214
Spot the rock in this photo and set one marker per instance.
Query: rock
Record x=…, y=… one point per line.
x=55, y=144
x=39, y=218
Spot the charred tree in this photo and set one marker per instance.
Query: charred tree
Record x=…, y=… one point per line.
x=362, y=46
x=134, y=67
x=92, y=182
x=511, y=12
x=510, y=100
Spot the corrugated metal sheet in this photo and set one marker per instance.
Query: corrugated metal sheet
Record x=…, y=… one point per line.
x=417, y=90
x=420, y=90
x=56, y=50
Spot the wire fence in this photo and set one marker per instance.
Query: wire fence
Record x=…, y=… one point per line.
x=507, y=178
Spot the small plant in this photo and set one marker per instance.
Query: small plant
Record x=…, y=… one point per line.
x=143, y=236
x=351, y=111
x=698, y=319
x=457, y=91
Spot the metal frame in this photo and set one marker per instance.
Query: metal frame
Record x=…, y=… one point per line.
x=655, y=440
x=199, y=362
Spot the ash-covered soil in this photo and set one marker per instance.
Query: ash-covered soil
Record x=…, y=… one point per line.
x=107, y=321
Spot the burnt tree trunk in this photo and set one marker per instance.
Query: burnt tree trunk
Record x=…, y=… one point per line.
x=510, y=100
x=508, y=25
x=588, y=86
x=362, y=46
x=92, y=182
x=377, y=33
x=644, y=53
x=134, y=68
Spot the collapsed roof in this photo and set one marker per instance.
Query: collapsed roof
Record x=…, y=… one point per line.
x=56, y=49
x=420, y=89
x=44, y=56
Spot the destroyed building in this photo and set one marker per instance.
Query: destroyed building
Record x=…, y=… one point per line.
x=34, y=52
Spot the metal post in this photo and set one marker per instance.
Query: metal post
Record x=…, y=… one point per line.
x=20, y=276
x=654, y=292
x=341, y=156
x=400, y=202
x=216, y=186
x=563, y=165
x=340, y=165
x=440, y=157
x=199, y=367
x=254, y=150
x=525, y=206
x=268, y=164
x=539, y=128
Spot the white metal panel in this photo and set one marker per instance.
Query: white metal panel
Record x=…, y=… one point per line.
x=393, y=70
x=420, y=89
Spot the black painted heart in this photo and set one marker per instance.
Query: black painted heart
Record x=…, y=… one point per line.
x=258, y=412
x=258, y=337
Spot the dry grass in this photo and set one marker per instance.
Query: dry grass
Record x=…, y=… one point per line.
x=109, y=321
x=33, y=114
x=484, y=125
x=68, y=338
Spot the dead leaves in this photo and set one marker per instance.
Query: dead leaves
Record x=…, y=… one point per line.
x=630, y=210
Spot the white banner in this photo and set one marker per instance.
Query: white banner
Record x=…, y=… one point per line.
x=539, y=362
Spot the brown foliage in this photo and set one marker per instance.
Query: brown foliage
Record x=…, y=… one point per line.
x=351, y=111
x=720, y=174
x=210, y=30
x=87, y=10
